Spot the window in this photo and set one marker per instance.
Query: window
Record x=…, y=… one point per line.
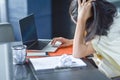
x=3, y=11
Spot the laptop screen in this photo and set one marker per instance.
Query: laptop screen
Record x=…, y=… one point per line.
x=28, y=29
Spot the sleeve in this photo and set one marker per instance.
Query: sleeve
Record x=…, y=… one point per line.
x=108, y=48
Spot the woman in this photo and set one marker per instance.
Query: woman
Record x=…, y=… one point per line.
x=97, y=32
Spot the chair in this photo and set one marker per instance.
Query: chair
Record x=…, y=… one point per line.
x=6, y=32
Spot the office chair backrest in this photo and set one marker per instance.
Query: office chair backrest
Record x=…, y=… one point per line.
x=6, y=32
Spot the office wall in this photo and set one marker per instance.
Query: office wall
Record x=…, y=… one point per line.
x=42, y=11
x=51, y=17
x=16, y=12
x=61, y=22
x=18, y=9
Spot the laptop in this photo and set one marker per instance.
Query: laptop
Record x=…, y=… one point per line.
x=30, y=39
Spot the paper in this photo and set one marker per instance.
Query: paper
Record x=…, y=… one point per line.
x=36, y=54
x=51, y=62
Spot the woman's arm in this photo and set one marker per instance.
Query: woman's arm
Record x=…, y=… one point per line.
x=80, y=47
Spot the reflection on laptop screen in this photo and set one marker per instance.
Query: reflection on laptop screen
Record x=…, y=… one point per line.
x=28, y=29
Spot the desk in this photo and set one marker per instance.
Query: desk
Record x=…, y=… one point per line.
x=24, y=72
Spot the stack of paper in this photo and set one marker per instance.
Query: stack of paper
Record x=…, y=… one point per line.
x=51, y=62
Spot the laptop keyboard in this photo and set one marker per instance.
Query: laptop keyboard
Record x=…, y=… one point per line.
x=38, y=45
x=42, y=44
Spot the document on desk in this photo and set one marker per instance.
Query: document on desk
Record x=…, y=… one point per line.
x=51, y=62
x=29, y=54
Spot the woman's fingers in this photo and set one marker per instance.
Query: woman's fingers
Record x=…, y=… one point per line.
x=79, y=2
x=56, y=39
x=84, y=11
x=65, y=42
x=88, y=3
x=84, y=2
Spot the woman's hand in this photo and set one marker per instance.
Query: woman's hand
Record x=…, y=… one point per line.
x=84, y=10
x=65, y=42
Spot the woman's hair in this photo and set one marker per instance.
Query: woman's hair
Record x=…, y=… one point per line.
x=99, y=23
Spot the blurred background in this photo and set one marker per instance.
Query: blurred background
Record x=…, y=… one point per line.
x=51, y=16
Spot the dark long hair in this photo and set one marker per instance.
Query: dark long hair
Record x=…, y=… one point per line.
x=101, y=20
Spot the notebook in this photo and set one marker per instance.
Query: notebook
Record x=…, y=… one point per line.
x=42, y=71
x=49, y=63
x=30, y=39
